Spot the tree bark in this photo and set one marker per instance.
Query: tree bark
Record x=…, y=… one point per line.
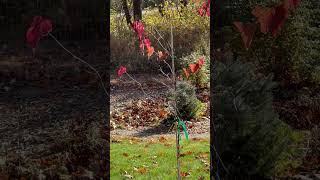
x=184, y=2
x=160, y=7
x=126, y=11
x=137, y=11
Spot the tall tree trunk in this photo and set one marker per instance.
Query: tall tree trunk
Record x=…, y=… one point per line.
x=137, y=11
x=184, y=2
x=160, y=7
x=126, y=11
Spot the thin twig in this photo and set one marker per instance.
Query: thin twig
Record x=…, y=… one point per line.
x=138, y=83
x=164, y=74
x=160, y=43
x=162, y=37
x=162, y=83
x=83, y=61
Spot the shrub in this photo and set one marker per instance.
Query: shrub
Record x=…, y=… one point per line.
x=250, y=138
x=189, y=106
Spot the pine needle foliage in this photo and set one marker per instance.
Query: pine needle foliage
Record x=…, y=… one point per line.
x=250, y=139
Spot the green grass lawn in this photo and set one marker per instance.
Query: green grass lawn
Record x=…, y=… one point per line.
x=155, y=159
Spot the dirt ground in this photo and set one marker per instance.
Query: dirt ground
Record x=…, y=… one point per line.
x=49, y=106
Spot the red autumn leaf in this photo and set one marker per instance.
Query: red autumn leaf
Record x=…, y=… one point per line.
x=150, y=51
x=141, y=46
x=208, y=8
x=138, y=28
x=147, y=42
x=247, y=31
x=45, y=27
x=201, y=61
x=264, y=16
x=204, y=9
x=186, y=73
x=272, y=19
x=38, y=28
x=194, y=67
x=122, y=70
x=33, y=37
x=279, y=17
x=184, y=174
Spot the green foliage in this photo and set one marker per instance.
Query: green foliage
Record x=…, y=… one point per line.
x=250, y=138
x=202, y=77
x=189, y=106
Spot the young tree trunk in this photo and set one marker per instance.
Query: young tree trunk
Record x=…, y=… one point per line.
x=137, y=11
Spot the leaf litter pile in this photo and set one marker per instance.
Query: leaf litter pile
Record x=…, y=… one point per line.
x=51, y=120
x=139, y=114
x=151, y=114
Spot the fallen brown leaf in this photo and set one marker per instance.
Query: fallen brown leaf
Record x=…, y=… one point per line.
x=163, y=139
x=184, y=174
x=142, y=170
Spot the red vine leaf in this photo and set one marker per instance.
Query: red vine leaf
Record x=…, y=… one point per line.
x=186, y=73
x=194, y=67
x=138, y=27
x=147, y=42
x=247, y=31
x=264, y=16
x=279, y=17
x=204, y=9
x=39, y=27
x=122, y=70
x=150, y=51
x=201, y=61
x=45, y=27
x=272, y=19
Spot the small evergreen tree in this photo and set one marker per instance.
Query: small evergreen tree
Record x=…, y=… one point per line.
x=250, y=139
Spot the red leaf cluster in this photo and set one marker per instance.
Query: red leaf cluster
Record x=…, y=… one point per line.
x=204, y=9
x=122, y=70
x=271, y=19
x=39, y=28
x=138, y=27
x=194, y=68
